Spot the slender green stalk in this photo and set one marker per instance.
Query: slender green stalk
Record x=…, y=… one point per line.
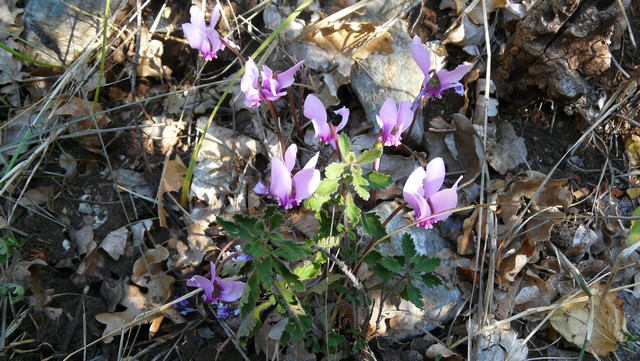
x=33, y=61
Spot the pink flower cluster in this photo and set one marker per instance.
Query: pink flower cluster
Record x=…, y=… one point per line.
x=272, y=85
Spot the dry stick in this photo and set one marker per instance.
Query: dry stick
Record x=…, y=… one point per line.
x=483, y=181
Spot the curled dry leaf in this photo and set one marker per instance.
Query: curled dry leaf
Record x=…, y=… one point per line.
x=193, y=253
x=148, y=273
x=510, y=266
x=115, y=242
x=546, y=208
x=219, y=174
x=173, y=175
x=502, y=344
x=609, y=325
x=76, y=112
x=36, y=196
x=132, y=181
x=505, y=149
x=355, y=40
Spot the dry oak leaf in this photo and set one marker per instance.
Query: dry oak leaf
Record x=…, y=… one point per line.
x=609, y=325
x=357, y=40
x=173, y=175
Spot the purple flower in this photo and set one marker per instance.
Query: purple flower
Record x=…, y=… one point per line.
x=272, y=85
x=242, y=257
x=288, y=190
x=249, y=84
x=433, y=87
x=216, y=289
x=316, y=112
x=422, y=193
x=393, y=121
x=225, y=311
x=203, y=38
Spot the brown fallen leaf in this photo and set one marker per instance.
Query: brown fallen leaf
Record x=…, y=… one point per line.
x=173, y=175
x=82, y=115
x=356, y=40
x=609, y=325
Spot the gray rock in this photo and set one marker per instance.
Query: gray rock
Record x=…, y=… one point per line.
x=427, y=241
x=60, y=30
x=441, y=303
x=395, y=75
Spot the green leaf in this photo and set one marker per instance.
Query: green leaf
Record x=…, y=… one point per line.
x=327, y=187
x=345, y=145
x=290, y=250
x=408, y=247
x=250, y=293
x=311, y=269
x=414, y=295
x=328, y=242
x=359, y=183
x=315, y=202
x=335, y=170
x=243, y=227
x=369, y=156
x=264, y=269
x=430, y=280
x=324, y=284
x=287, y=276
x=373, y=257
x=378, y=180
x=392, y=265
x=273, y=217
x=424, y=264
x=256, y=249
x=634, y=236
x=381, y=272
x=351, y=210
x=371, y=223
x=252, y=321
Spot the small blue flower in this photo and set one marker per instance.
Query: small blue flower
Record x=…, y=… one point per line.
x=225, y=311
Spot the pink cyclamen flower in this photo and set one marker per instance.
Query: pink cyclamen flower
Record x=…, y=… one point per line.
x=422, y=192
x=203, y=38
x=316, y=112
x=290, y=190
x=393, y=121
x=272, y=85
x=216, y=289
x=443, y=79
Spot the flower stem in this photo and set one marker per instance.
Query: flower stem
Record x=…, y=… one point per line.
x=294, y=115
x=417, y=104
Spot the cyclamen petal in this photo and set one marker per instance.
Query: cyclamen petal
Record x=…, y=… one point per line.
x=280, y=182
x=421, y=192
x=290, y=190
x=393, y=121
x=443, y=79
x=421, y=55
x=200, y=37
x=272, y=85
x=287, y=77
x=290, y=157
x=444, y=200
x=217, y=289
x=434, y=177
x=316, y=112
x=230, y=290
x=305, y=182
x=344, y=113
